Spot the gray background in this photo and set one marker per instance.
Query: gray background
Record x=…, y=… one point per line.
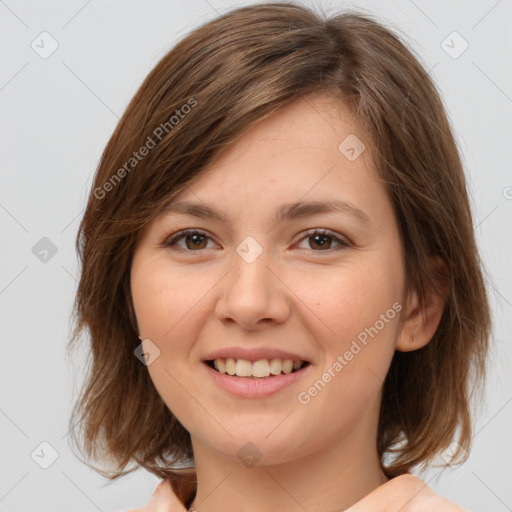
x=57, y=115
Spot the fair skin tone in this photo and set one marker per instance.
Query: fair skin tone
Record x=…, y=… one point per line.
x=307, y=294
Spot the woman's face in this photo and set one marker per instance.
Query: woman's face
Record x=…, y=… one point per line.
x=260, y=281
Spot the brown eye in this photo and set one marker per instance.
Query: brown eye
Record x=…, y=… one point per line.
x=194, y=240
x=321, y=240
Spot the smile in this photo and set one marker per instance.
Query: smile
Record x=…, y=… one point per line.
x=256, y=379
x=262, y=368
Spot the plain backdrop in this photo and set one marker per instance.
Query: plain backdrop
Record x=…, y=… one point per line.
x=67, y=72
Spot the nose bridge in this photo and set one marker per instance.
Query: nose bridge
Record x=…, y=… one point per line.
x=252, y=263
x=251, y=271
x=251, y=291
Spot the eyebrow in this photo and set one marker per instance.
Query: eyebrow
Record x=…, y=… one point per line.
x=287, y=211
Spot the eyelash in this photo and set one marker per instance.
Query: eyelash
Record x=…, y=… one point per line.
x=171, y=242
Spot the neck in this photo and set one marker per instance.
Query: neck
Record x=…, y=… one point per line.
x=332, y=477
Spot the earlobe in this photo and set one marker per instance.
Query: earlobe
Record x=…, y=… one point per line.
x=421, y=323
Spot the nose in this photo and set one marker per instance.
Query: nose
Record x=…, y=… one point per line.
x=253, y=294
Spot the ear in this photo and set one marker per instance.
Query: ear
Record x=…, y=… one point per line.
x=421, y=323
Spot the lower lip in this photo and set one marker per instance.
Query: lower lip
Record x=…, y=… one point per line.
x=255, y=388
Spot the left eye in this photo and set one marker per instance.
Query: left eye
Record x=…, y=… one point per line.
x=195, y=240
x=319, y=237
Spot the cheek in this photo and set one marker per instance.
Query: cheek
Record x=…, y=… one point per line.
x=164, y=297
x=356, y=310
x=160, y=302
x=167, y=306
x=348, y=300
x=359, y=309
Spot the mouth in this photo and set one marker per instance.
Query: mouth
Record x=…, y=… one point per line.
x=258, y=370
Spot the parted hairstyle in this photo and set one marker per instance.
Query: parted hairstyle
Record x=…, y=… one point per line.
x=213, y=85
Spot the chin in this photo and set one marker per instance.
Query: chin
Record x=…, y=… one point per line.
x=255, y=446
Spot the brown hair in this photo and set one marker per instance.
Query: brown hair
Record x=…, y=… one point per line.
x=232, y=72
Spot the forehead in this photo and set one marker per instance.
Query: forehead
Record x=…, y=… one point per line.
x=310, y=151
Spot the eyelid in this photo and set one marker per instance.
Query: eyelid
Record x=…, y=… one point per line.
x=342, y=241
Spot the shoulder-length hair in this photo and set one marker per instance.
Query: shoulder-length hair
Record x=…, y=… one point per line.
x=204, y=93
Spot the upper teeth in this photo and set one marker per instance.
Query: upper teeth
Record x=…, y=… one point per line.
x=261, y=368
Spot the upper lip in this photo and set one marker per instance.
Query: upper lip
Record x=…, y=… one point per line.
x=253, y=354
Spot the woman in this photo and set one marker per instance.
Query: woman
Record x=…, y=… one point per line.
x=279, y=273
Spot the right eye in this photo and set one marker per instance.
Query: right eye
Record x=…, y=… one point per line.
x=194, y=240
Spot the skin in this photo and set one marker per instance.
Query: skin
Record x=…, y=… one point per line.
x=305, y=294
